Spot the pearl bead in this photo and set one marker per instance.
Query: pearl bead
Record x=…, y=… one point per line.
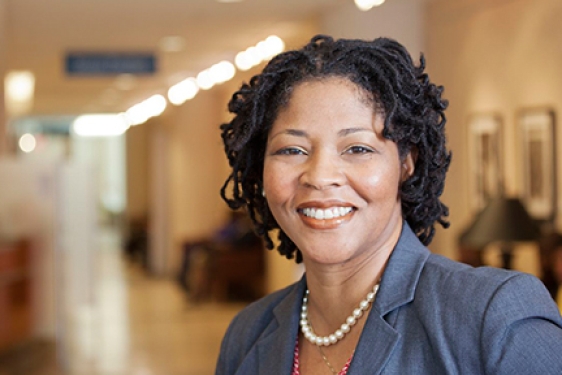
x=371, y=297
x=350, y=320
x=339, y=334
x=333, y=339
x=319, y=341
x=357, y=313
x=344, y=328
x=326, y=341
x=364, y=305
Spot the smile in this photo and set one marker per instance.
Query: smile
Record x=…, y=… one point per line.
x=326, y=214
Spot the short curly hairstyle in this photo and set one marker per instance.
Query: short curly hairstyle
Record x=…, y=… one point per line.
x=414, y=119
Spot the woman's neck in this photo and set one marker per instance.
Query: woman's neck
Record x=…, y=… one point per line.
x=335, y=290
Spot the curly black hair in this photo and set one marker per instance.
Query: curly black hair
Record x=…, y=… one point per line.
x=414, y=119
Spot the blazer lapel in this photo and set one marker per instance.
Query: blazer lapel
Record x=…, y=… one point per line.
x=375, y=346
x=276, y=349
x=398, y=287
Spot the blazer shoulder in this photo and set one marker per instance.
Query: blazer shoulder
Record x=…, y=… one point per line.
x=498, y=319
x=477, y=289
x=454, y=281
x=262, y=309
x=441, y=267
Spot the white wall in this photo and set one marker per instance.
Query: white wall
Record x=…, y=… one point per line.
x=159, y=202
x=107, y=156
x=402, y=20
x=499, y=56
x=77, y=236
x=198, y=167
x=3, y=58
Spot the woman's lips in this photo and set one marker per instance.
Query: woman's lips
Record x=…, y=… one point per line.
x=326, y=214
x=326, y=217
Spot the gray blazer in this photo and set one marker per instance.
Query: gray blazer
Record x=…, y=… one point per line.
x=431, y=316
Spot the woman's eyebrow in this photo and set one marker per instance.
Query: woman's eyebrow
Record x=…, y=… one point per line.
x=293, y=132
x=304, y=134
x=344, y=132
x=296, y=132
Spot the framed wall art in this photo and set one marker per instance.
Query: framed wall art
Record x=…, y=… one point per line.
x=538, y=155
x=484, y=142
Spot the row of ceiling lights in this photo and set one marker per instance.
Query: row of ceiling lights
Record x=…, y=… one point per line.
x=102, y=124
x=90, y=125
x=225, y=70
x=205, y=80
x=189, y=88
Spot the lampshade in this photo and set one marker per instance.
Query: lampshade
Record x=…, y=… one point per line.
x=504, y=220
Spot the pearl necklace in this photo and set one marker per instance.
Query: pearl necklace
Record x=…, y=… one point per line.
x=340, y=333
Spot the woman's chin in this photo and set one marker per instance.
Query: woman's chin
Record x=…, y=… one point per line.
x=320, y=258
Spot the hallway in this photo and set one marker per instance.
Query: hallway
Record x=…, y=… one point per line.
x=138, y=325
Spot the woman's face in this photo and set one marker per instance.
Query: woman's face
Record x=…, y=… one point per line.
x=331, y=179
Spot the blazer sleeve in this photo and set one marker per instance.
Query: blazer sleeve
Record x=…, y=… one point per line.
x=522, y=329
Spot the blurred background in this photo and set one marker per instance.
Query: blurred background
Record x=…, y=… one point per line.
x=117, y=255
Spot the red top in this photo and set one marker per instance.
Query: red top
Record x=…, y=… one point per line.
x=296, y=367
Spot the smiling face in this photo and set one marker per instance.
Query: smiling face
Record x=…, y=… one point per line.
x=331, y=179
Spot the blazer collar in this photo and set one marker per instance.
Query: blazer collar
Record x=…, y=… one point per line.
x=398, y=286
x=402, y=273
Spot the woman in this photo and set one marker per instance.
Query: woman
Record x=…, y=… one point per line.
x=340, y=147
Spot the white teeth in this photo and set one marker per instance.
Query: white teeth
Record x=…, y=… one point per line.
x=330, y=213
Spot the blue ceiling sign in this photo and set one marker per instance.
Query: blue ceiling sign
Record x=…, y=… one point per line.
x=100, y=64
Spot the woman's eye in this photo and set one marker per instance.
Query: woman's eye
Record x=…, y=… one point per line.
x=291, y=151
x=358, y=150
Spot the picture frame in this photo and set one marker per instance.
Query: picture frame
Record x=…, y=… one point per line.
x=485, y=150
x=538, y=159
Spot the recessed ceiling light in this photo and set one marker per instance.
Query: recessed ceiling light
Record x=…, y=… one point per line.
x=100, y=125
x=19, y=87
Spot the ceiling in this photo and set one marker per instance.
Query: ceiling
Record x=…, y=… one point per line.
x=41, y=32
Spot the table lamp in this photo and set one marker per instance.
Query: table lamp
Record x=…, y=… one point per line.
x=502, y=220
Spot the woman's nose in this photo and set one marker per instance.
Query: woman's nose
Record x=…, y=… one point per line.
x=322, y=171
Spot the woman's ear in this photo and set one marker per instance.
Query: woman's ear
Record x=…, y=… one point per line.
x=409, y=164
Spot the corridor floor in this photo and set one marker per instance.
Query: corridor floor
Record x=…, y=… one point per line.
x=138, y=325
x=159, y=333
